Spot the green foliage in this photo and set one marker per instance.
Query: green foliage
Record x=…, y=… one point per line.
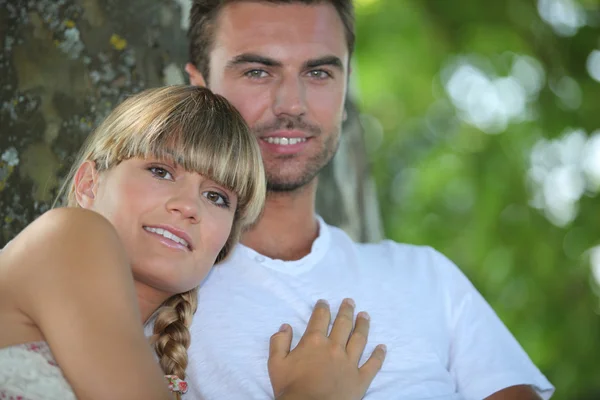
x=449, y=184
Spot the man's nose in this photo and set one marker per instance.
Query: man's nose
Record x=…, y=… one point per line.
x=290, y=97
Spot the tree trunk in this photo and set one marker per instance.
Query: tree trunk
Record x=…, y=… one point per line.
x=66, y=63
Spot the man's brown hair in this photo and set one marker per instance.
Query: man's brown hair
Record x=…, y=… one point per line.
x=204, y=14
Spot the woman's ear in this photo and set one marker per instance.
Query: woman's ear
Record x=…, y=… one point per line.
x=86, y=184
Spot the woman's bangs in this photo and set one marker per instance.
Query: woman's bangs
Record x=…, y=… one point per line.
x=221, y=156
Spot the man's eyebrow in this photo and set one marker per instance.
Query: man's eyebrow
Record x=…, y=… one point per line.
x=251, y=58
x=331, y=61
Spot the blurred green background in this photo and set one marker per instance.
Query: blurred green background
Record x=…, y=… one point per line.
x=483, y=130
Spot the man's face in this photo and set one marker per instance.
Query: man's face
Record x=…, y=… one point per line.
x=284, y=67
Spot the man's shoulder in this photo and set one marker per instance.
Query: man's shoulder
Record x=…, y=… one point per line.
x=397, y=253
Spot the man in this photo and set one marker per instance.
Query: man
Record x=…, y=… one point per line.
x=285, y=66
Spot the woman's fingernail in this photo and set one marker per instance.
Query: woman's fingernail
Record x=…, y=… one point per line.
x=323, y=302
x=350, y=302
x=364, y=314
x=283, y=328
x=383, y=347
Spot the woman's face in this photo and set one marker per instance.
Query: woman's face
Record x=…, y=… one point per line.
x=172, y=222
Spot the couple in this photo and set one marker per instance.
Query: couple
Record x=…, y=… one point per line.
x=284, y=65
x=160, y=192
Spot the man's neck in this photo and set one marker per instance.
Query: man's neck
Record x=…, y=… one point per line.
x=288, y=227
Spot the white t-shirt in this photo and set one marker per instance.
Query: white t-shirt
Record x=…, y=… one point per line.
x=444, y=341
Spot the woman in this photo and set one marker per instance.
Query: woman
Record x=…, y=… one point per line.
x=160, y=192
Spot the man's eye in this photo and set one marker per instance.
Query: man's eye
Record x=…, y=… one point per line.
x=160, y=173
x=319, y=74
x=217, y=198
x=256, y=73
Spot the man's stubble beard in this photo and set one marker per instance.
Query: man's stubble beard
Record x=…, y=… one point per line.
x=306, y=173
x=281, y=184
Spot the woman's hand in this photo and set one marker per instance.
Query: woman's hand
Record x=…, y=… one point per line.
x=323, y=367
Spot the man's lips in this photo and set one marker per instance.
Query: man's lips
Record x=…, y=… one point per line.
x=285, y=142
x=286, y=134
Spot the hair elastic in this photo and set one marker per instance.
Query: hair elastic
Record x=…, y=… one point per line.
x=176, y=384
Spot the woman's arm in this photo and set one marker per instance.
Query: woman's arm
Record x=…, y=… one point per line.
x=76, y=286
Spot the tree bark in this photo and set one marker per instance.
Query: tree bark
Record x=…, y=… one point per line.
x=66, y=63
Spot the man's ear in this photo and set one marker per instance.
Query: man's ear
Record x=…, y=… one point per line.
x=86, y=184
x=196, y=78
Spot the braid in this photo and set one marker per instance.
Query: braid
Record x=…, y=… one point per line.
x=171, y=332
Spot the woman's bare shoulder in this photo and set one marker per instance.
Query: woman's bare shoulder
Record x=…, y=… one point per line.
x=59, y=221
x=48, y=257
x=61, y=243
x=57, y=231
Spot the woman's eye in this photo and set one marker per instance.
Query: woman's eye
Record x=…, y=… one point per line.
x=160, y=173
x=217, y=198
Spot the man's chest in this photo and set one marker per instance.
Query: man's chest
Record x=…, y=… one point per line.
x=231, y=331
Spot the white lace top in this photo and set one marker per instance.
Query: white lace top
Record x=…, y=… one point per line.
x=29, y=372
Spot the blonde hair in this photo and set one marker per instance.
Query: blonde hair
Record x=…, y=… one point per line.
x=202, y=132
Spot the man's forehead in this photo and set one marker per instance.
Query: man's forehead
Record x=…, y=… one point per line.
x=280, y=30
